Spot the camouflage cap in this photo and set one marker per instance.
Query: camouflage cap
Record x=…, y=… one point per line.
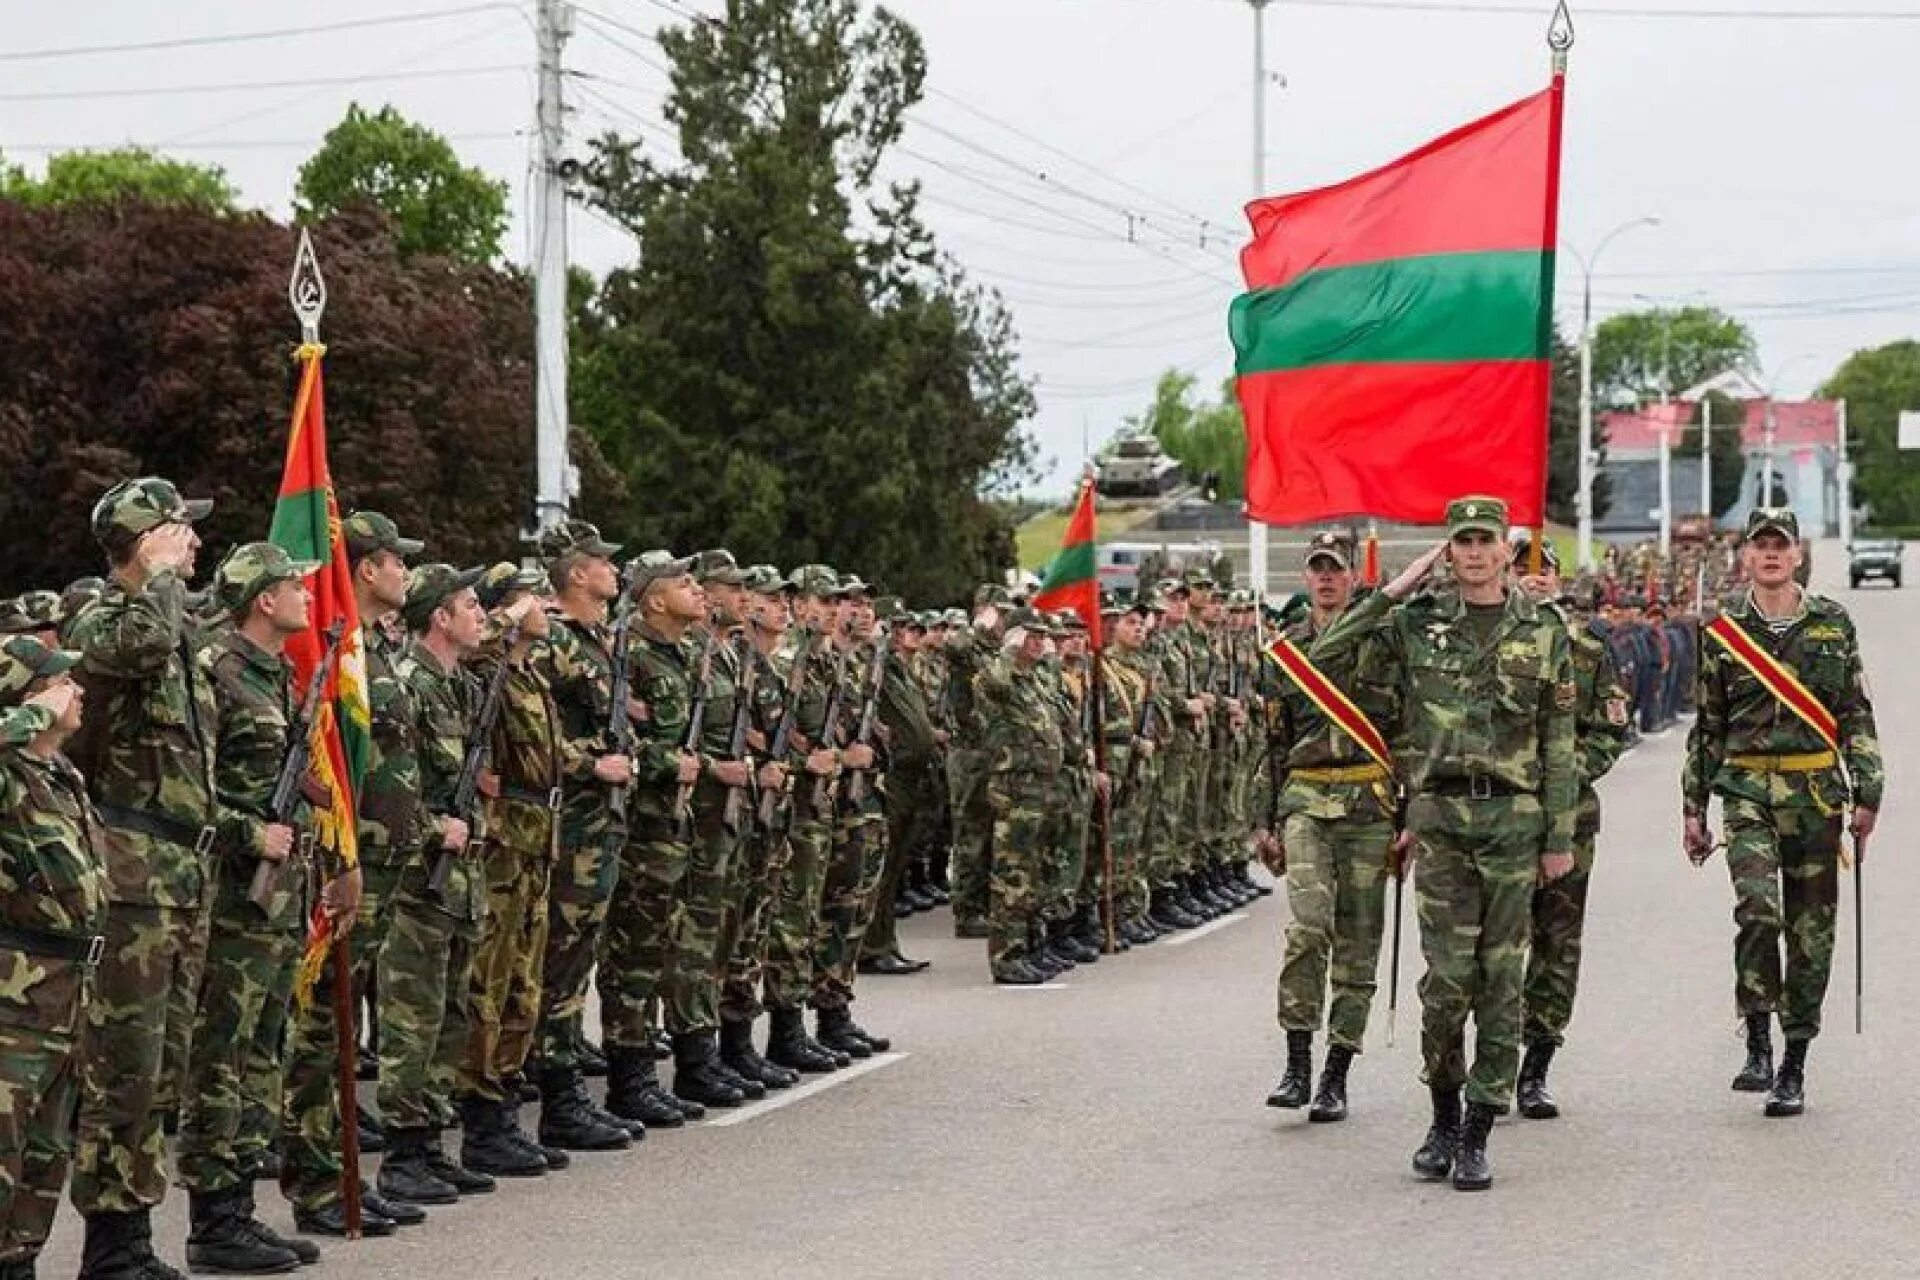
x=1780, y=520
x=1031, y=620
x=504, y=579
x=1167, y=588
x=431, y=585
x=851, y=585
x=251, y=568
x=991, y=593
x=575, y=537
x=1330, y=544
x=33, y=611
x=890, y=609
x=1068, y=622
x=1202, y=578
x=1523, y=553
x=1240, y=600
x=718, y=566
x=656, y=566
x=815, y=580
x=132, y=507
x=80, y=593
x=955, y=617
x=932, y=618
x=23, y=660
x=764, y=580
x=1486, y=515
x=1112, y=605
x=369, y=531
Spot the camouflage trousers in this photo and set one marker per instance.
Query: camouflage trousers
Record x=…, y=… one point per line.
x=848, y=900
x=425, y=970
x=1336, y=893
x=663, y=927
x=183, y=1006
x=503, y=994
x=1553, y=962
x=579, y=893
x=796, y=908
x=231, y=1105
x=310, y=1128
x=1167, y=817
x=972, y=817
x=119, y=1152
x=748, y=932
x=1236, y=795
x=1023, y=827
x=1125, y=820
x=39, y=1085
x=1477, y=863
x=914, y=809
x=1785, y=862
x=1063, y=861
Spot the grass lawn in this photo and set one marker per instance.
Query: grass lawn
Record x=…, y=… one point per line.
x=1038, y=539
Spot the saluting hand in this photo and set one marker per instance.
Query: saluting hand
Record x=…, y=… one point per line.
x=1416, y=573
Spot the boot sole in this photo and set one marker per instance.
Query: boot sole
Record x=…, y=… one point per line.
x=1326, y=1117
x=1478, y=1184
x=1433, y=1175
x=1284, y=1104
x=202, y=1267
x=425, y=1202
x=1743, y=1085
x=1540, y=1113
x=1786, y=1111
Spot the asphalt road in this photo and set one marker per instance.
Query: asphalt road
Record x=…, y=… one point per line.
x=1112, y=1124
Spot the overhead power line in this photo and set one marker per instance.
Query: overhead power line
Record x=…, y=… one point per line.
x=232, y=144
x=254, y=86
x=1585, y=13
x=250, y=37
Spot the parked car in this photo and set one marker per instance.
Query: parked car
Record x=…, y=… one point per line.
x=1875, y=558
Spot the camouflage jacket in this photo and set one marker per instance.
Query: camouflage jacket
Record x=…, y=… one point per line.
x=527, y=752
x=149, y=740
x=1737, y=715
x=930, y=672
x=443, y=707
x=903, y=710
x=1182, y=673
x=810, y=729
x=1600, y=727
x=1502, y=713
x=663, y=676
x=53, y=878
x=1070, y=692
x=1022, y=720
x=727, y=680
x=1123, y=686
x=968, y=653
x=1298, y=731
x=390, y=790
x=254, y=709
x=576, y=661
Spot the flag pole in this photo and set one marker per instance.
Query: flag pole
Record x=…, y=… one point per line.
x=307, y=291
x=1097, y=692
x=1560, y=43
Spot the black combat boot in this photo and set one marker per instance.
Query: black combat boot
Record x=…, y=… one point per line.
x=1536, y=1102
x=879, y=1044
x=1068, y=943
x=750, y=1089
x=567, y=1118
x=1296, y=1085
x=1789, y=1096
x=593, y=1062
x=696, y=1077
x=1330, y=1102
x=789, y=1045
x=1434, y=1160
x=330, y=1219
x=373, y=1138
x=219, y=1240
x=305, y=1250
x=1018, y=973
x=404, y=1175
x=634, y=1092
x=1165, y=915
x=487, y=1147
x=1757, y=1075
x=834, y=1029
x=1140, y=931
x=468, y=1182
x=117, y=1246
x=1471, y=1172
x=402, y=1215
x=737, y=1051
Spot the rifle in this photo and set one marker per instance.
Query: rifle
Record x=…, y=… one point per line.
x=737, y=806
x=619, y=719
x=783, y=732
x=288, y=788
x=696, y=725
x=466, y=791
x=1142, y=732
x=858, y=784
x=836, y=701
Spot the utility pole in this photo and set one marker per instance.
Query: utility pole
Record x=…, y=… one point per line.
x=1256, y=531
x=1585, y=498
x=554, y=474
x=1666, y=440
x=1706, y=458
x=1846, y=481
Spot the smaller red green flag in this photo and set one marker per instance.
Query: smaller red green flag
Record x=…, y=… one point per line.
x=1072, y=581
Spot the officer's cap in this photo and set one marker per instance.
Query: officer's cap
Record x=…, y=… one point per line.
x=23, y=660
x=1487, y=515
x=251, y=568
x=132, y=507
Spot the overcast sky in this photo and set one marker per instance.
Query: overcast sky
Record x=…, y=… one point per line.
x=1775, y=151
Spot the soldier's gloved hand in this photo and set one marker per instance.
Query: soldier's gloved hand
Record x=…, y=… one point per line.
x=615, y=769
x=858, y=756
x=823, y=763
x=276, y=842
x=731, y=773
x=1554, y=866
x=1697, y=841
x=454, y=834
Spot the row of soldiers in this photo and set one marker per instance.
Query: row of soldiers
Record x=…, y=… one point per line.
x=674, y=782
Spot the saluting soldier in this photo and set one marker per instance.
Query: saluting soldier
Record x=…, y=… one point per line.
x=53, y=906
x=1785, y=737
x=1485, y=749
x=969, y=649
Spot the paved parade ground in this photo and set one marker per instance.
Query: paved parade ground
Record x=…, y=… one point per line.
x=1111, y=1124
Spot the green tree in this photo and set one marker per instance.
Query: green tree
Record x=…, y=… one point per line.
x=1204, y=437
x=438, y=205
x=1638, y=355
x=124, y=173
x=1878, y=384
x=1563, y=442
x=768, y=375
x=1728, y=458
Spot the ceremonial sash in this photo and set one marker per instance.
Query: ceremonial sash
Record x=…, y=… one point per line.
x=1777, y=678
x=1333, y=704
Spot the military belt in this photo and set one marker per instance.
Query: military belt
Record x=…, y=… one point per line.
x=158, y=825
x=1479, y=786
x=1810, y=762
x=551, y=800
x=81, y=949
x=1341, y=773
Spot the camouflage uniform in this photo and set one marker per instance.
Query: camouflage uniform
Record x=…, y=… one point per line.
x=147, y=751
x=967, y=654
x=1170, y=817
x=1026, y=754
x=764, y=861
x=53, y=904
x=1782, y=794
x=1125, y=686
x=808, y=815
x=859, y=851
x=912, y=802
x=1063, y=862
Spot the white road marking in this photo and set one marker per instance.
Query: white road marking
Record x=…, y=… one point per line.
x=786, y=1097
x=1194, y=935
x=1055, y=985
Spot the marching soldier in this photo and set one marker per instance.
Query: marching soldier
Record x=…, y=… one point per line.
x=1560, y=908
x=1336, y=808
x=1485, y=746
x=255, y=937
x=53, y=906
x=147, y=753
x=1784, y=724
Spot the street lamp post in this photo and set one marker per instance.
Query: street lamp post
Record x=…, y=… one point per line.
x=1585, y=497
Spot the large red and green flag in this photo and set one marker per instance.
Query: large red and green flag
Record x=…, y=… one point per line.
x=1394, y=345
x=1072, y=581
x=306, y=522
